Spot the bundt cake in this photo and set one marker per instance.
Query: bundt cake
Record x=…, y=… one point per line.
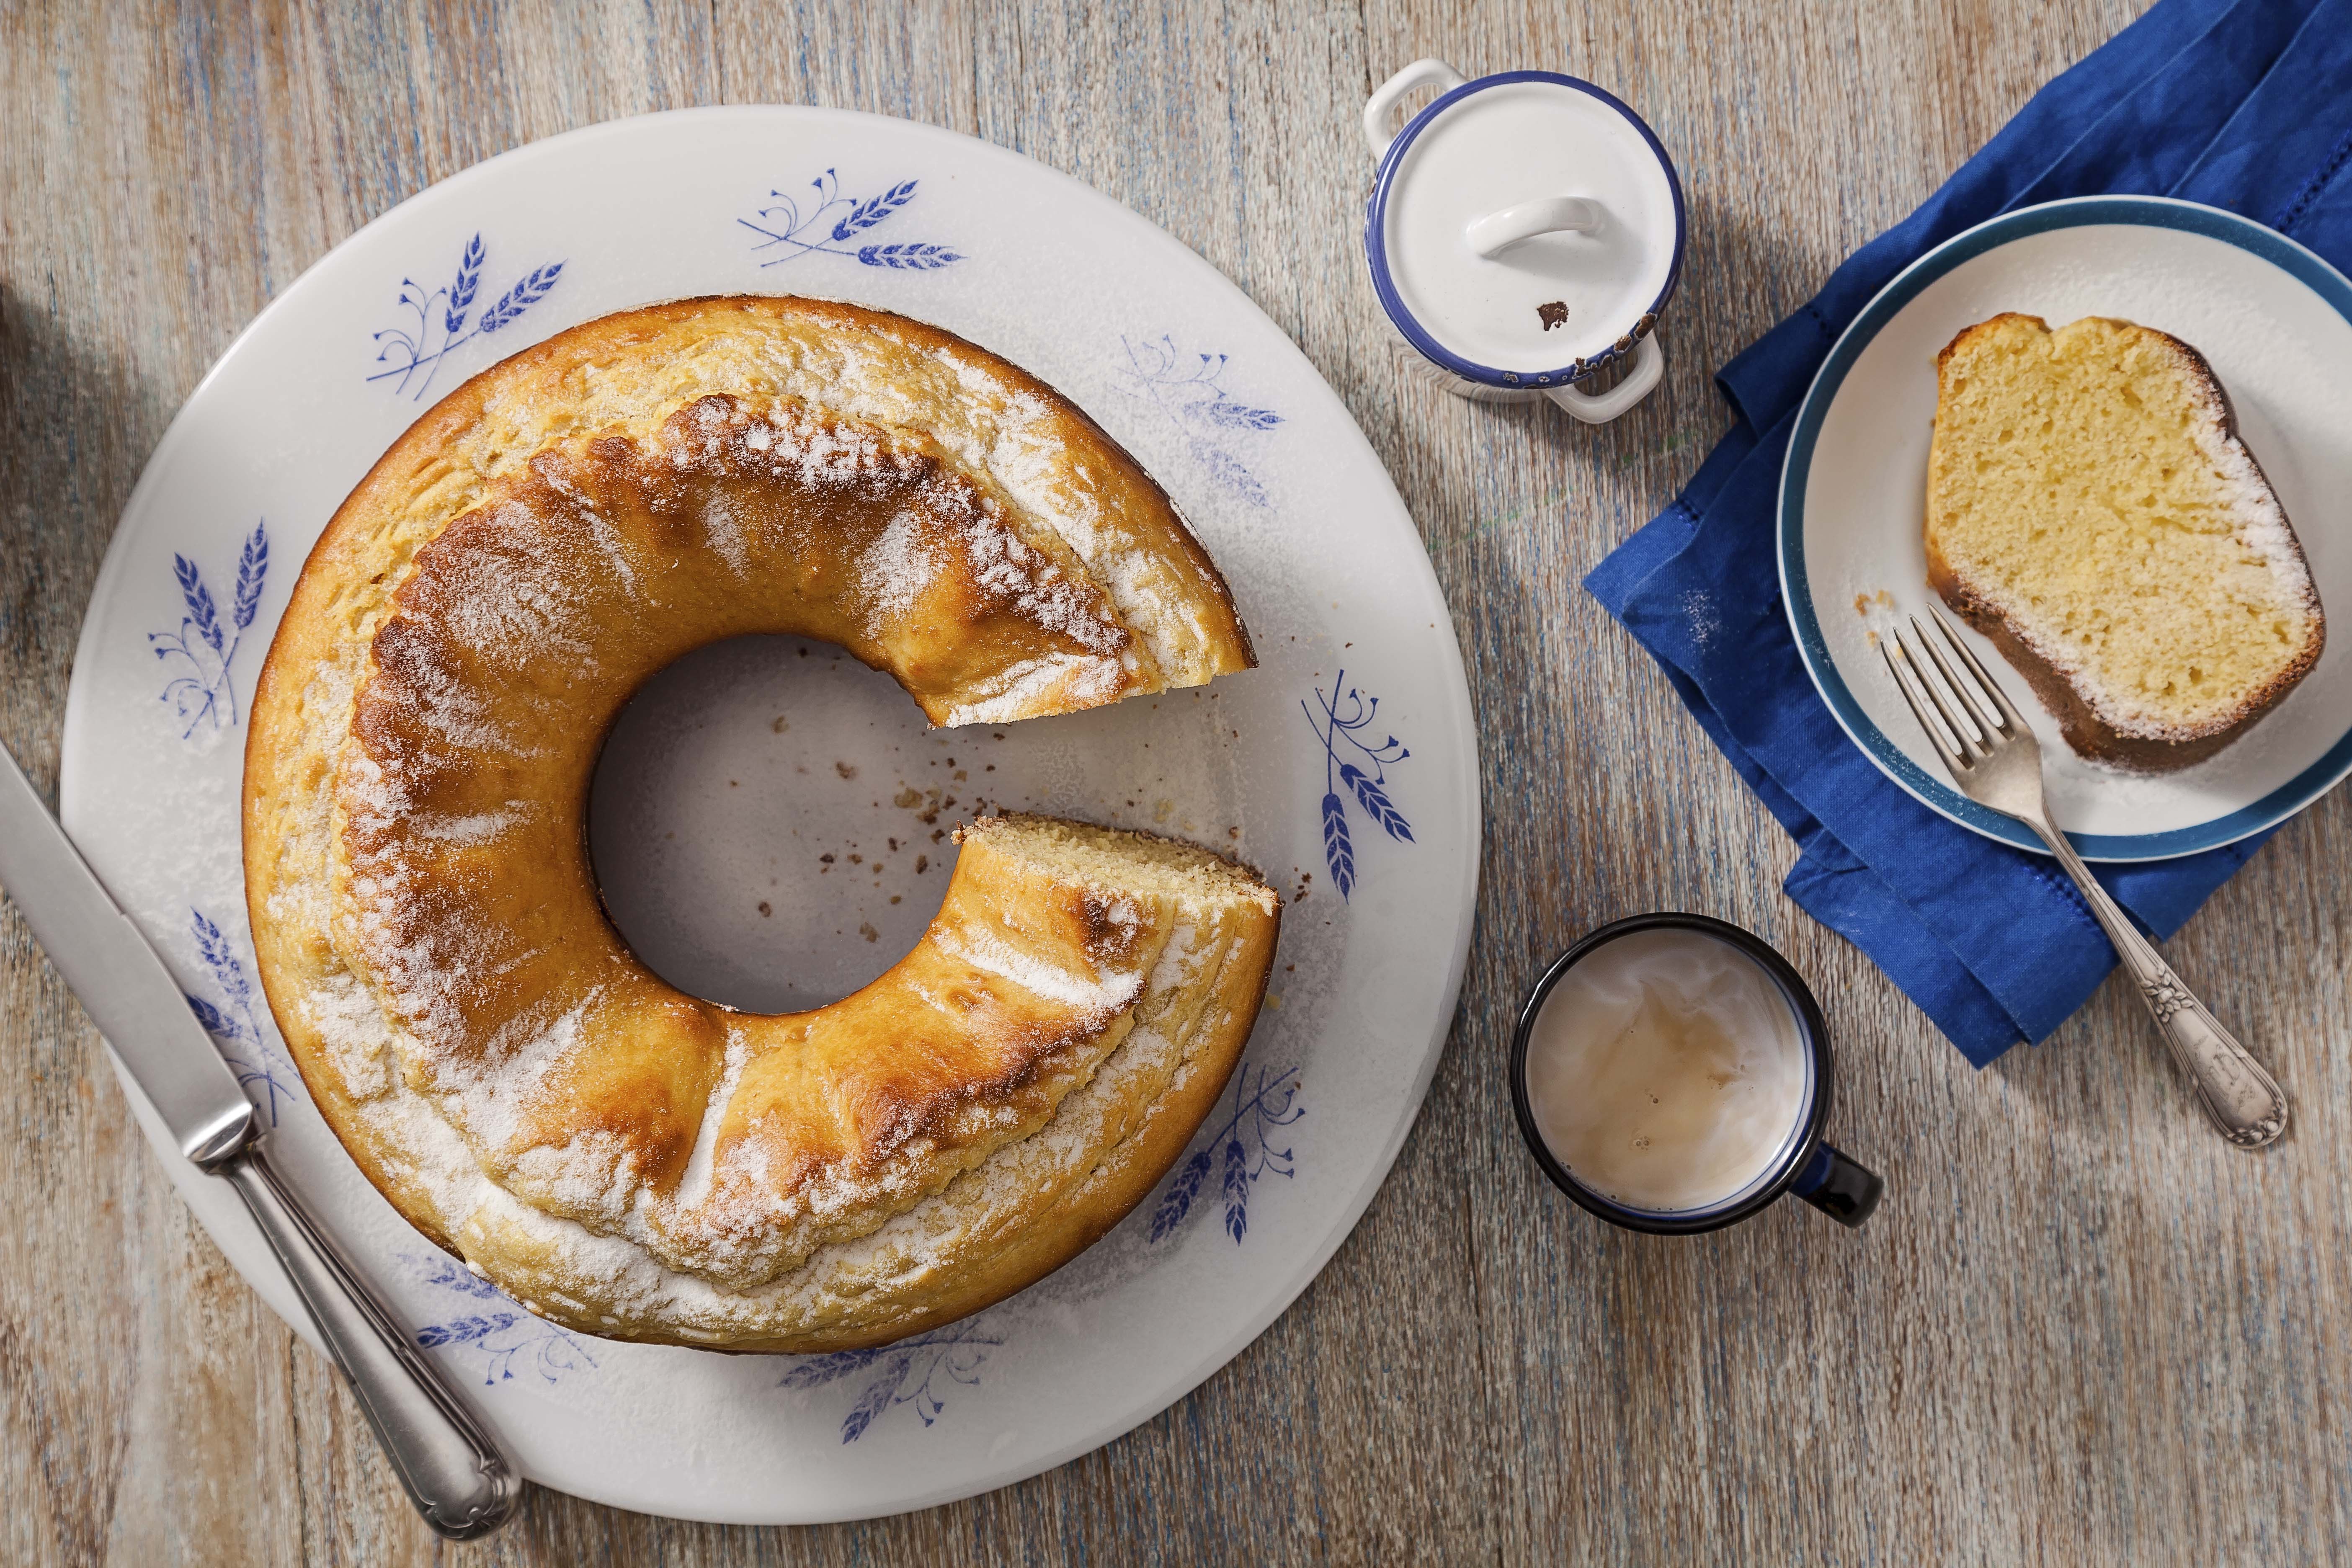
x=2092, y=511
x=626, y=1158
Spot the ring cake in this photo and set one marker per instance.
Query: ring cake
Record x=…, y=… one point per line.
x=624, y=1158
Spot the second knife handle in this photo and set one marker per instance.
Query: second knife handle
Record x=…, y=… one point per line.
x=460, y=1479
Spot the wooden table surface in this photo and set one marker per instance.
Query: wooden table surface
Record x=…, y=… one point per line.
x=2080, y=1329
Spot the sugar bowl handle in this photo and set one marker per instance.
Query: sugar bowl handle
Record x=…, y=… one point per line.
x=1385, y=97
x=1600, y=407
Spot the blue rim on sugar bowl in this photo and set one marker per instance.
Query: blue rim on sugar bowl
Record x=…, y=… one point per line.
x=1514, y=207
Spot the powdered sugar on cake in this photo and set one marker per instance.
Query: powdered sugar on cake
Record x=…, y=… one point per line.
x=2246, y=496
x=1094, y=993
x=411, y=1130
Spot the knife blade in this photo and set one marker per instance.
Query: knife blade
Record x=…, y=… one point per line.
x=123, y=984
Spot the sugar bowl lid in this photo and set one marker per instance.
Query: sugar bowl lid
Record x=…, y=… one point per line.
x=1525, y=228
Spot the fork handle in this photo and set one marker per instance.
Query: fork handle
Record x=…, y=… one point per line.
x=2239, y=1099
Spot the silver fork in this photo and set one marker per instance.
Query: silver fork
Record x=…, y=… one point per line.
x=1996, y=761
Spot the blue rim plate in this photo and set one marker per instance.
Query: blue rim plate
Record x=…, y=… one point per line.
x=2237, y=818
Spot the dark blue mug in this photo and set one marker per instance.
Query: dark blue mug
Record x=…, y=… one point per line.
x=1805, y=1163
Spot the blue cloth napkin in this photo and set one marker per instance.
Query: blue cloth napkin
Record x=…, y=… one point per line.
x=2246, y=106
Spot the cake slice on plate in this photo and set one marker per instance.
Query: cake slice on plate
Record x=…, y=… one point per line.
x=2092, y=511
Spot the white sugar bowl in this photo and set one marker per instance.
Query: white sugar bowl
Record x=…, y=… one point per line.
x=1525, y=230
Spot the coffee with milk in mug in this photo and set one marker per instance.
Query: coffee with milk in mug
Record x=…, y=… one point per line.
x=1666, y=1071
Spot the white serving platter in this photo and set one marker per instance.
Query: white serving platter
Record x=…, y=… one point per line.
x=1213, y=398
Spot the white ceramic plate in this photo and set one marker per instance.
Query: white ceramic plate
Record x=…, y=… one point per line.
x=2275, y=321
x=1212, y=397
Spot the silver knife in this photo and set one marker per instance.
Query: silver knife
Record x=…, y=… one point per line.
x=456, y=1475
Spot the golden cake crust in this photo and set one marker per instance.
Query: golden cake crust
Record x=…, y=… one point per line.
x=626, y=1158
x=2088, y=718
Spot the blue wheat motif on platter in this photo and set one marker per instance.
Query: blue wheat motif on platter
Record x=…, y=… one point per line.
x=232, y=1022
x=445, y=318
x=200, y=654
x=1241, y=1149
x=1354, y=771
x=496, y=1327
x=836, y=224
x=908, y=1373
x=1188, y=389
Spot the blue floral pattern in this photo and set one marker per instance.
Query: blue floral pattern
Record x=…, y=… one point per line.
x=1264, y=1099
x=201, y=692
x=233, y=1024
x=497, y=1329
x=1353, y=769
x=445, y=318
x=908, y=1373
x=836, y=224
x=1188, y=388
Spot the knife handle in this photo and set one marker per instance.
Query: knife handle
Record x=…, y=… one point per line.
x=454, y=1469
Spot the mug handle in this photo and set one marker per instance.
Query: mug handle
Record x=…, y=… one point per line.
x=1600, y=407
x=1385, y=97
x=1840, y=1186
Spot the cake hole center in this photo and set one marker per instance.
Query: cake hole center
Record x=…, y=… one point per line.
x=767, y=823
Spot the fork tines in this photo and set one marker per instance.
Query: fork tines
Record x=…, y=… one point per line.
x=1964, y=718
